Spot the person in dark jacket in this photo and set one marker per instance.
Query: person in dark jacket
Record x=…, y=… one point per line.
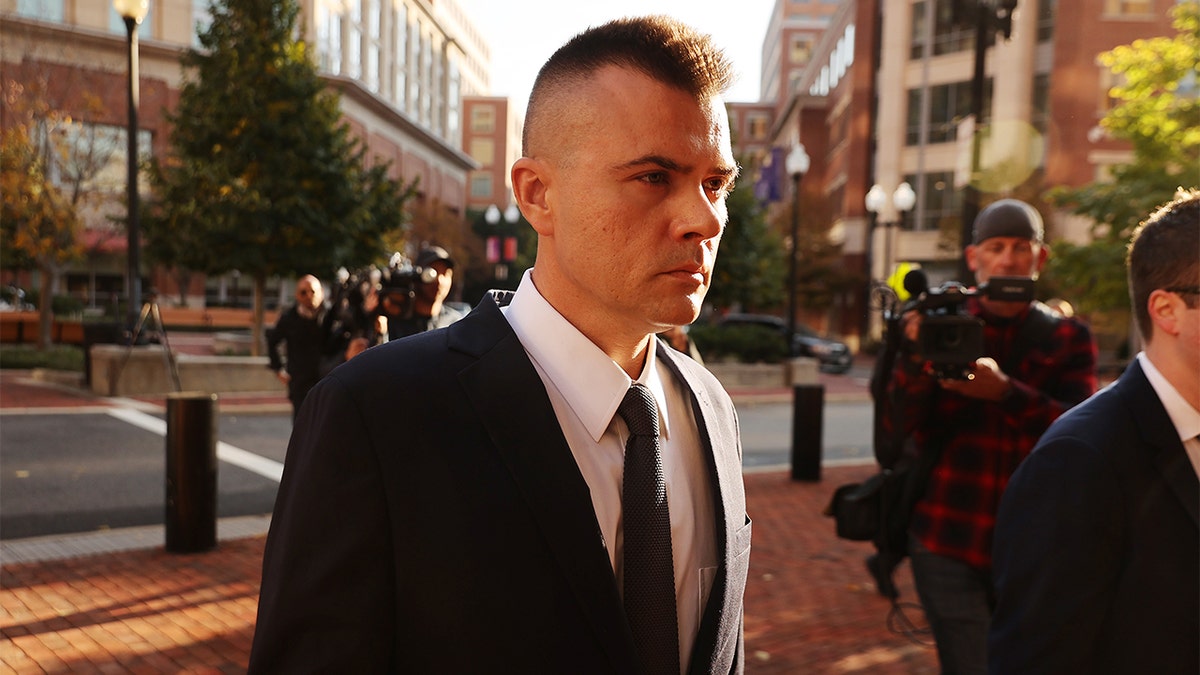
x=302, y=331
x=1097, y=547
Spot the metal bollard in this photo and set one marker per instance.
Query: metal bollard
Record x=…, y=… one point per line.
x=808, y=403
x=191, y=472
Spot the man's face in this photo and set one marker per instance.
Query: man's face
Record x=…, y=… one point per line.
x=309, y=293
x=636, y=178
x=1005, y=257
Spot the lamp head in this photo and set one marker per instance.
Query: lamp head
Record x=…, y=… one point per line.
x=904, y=199
x=132, y=9
x=512, y=214
x=876, y=199
x=797, y=161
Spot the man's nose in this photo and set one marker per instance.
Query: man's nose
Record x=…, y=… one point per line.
x=700, y=216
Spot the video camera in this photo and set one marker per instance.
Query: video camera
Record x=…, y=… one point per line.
x=399, y=284
x=949, y=338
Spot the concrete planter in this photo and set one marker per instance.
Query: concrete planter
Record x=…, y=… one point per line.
x=765, y=375
x=123, y=371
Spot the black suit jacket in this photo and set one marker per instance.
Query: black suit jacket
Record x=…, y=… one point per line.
x=432, y=519
x=1097, y=546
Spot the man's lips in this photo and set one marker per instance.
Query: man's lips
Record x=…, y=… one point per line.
x=699, y=273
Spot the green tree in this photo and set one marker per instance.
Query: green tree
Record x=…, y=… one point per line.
x=750, y=263
x=264, y=176
x=1156, y=110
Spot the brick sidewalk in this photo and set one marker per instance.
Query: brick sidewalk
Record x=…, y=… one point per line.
x=810, y=605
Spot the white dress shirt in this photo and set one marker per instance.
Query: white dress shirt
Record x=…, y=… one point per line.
x=1184, y=417
x=585, y=387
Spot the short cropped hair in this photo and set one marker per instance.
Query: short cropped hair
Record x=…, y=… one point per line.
x=1164, y=253
x=660, y=47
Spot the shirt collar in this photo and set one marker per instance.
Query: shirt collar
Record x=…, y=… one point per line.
x=591, y=383
x=1184, y=417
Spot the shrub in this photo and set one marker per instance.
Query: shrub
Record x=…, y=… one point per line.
x=745, y=344
x=57, y=357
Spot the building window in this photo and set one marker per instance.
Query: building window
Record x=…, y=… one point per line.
x=949, y=104
x=91, y=156
x=1107, y=79
x=942, y=202
x=374, y=44
x=1045, y=26
x=483, y=120
x=1125, y=8
x=801, y=50
x=51, y=10
x=758, y=126
x=400, y=54
x=354, y=40
x=483, y=150
x=1040, y=115
x=414, y=71
x=951, y=34
x=453, y=102
x=329, y=38
x=481, y=185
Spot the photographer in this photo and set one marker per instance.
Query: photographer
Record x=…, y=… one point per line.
x=413, y=300
x=975, y=422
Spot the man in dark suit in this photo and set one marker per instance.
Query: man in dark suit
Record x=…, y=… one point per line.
x=458, y=501
x=1097, y=546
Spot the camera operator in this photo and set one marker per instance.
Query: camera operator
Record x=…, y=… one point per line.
x=413, y=301
x=354, y=322
x=974, y=426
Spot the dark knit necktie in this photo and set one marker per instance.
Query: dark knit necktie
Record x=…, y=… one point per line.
x=648, y=567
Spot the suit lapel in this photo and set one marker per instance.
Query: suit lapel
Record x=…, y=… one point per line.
x=1167, y=452
x=722, y=452
x=522, y=425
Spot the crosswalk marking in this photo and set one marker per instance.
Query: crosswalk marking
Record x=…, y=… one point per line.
x=267, y=468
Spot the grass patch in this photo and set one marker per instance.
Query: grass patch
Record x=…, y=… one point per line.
x=56, y=357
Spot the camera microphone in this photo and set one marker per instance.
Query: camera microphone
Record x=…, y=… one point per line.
x=915, y=282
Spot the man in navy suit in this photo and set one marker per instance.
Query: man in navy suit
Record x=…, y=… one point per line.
x=1097, y=545
x=452, y=501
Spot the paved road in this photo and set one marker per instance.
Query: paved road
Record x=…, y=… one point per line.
x=100, y=469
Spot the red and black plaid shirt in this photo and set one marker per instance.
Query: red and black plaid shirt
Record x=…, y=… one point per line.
x=984, y=441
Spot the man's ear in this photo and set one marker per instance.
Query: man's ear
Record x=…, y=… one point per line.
x=971, y=262
x=531, y=192
x=1164, y=309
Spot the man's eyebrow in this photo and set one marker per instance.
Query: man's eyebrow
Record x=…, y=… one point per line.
x=729, y=172
x=655, y=160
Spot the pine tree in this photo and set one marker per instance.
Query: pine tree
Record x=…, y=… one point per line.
x=263, y=175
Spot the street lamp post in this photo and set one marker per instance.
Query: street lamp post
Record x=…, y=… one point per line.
x=808, y=400
x=797, y=164
x=502, y=257
x=133, y=11
x=990, y=16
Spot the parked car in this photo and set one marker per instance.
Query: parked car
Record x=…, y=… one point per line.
x=834, y=356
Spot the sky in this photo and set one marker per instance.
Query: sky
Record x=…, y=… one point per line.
x=524, y=33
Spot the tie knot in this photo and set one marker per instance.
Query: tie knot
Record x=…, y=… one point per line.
x=639, y=411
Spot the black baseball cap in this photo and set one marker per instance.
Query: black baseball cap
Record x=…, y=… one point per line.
x=432, y=254
x=1008, y=218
